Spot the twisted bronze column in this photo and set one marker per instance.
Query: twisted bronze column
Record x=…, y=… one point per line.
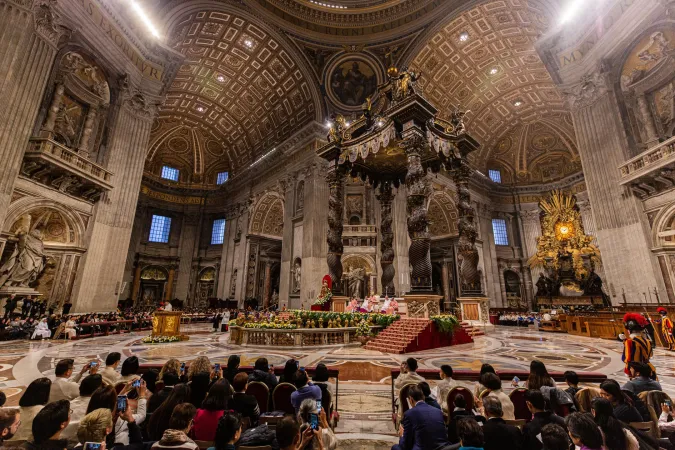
x=386, y=196
x=417, y=186
x=470, y=281
x=336, y=185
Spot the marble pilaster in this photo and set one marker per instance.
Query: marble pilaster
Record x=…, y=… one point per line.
x=287, y=242
x=29, y=32
x=401, y=242
x=620, y=231
x=110, y=233
x=315, y=230
x=188, y=241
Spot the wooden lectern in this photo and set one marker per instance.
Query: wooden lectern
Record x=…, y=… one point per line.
x=167, y=323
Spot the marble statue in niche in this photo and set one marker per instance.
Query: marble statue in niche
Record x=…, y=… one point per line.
x=297, y=275
x=27, y=261
x=355, y=279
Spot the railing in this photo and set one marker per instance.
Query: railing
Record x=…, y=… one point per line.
x=645, y=162
x=50, y=149
x=301, y=337
x=179, y=184
x=361, y=229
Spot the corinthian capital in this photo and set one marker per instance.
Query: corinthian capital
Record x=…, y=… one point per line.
x=47, y=21
x=589, y=89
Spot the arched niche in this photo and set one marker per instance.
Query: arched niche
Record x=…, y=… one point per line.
x=206, y=285
x=63, y=232
x=443, y=215
x=153, y=284
x=268, y=216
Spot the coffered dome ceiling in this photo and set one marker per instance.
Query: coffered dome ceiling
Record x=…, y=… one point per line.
x=485, y=61
x=256, y=71
x=239, y=92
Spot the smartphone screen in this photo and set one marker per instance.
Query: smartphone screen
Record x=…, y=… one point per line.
x=93, y=364
x=314, y=421
x=92, y=445
x=217, y=367
x=182, y=367
x=318, y=406
x=121, y=403
x=136, y=384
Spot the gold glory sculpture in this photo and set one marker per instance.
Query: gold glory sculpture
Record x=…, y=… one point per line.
x=567, y=254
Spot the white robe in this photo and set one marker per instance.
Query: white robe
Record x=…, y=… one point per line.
x=70, y=329
x=42, y=330
x=365, y=305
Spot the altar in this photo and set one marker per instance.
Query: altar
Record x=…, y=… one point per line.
x=167, y=324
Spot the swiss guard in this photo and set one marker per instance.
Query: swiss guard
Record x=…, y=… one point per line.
x=667, y=328
x=637, y=348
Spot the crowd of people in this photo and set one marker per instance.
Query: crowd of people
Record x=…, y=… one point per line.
x=561, y=418
x=115, y=405
x=519, y=319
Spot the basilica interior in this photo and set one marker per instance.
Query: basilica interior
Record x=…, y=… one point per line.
x=192, y=152
x=169, y=150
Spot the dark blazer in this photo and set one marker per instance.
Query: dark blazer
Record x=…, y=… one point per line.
x=454, y=417
x=501, y=436
x=246, y=405
x=423, y=429
x=158, y=398
x=532, y=429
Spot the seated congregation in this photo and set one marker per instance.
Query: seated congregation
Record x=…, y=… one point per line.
x=538, y=416
x=124, y=406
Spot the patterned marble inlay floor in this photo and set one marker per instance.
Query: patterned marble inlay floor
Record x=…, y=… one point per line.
x=365, y=386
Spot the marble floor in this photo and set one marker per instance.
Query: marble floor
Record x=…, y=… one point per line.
x=365, y=385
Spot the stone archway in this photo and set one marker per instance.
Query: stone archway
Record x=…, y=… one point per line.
x=63, y=235
x=268, y=216
x=443, y=215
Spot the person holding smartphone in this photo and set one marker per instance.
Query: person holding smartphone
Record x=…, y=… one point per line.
x=311, y=417
x=121, y=426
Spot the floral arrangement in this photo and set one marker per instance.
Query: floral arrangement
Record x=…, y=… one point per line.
x=271, y=325
x=445, y=323
x=363, y=329
x=322, y=300
x=160, y=339
x=331, y=319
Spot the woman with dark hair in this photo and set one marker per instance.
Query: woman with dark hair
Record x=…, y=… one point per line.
x=150, y=378
x=159, y=421
x=289, y=370
x=320, y=379
x=106, y=397
x=616, y=435
x=130, y=369
x=624, y=410
x=228, y=432
x=232, y=368
x=213, y=406
x=34, y=398
x=539, y=376
x=485, y=368
x=584, y=432
x=103, y=397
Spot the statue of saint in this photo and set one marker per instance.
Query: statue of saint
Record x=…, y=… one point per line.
x=26, y=262
x=297, y=274
x=542, y=286
x=355, y=279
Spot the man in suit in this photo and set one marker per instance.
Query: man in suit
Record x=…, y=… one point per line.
x=498, y=434
x=540, y=417
x=422, y=427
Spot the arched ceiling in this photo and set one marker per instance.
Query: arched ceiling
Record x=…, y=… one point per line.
x=484, y=60
x=239, y=92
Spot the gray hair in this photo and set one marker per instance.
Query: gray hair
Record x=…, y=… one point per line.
x=493, y=406
x=307, y=407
